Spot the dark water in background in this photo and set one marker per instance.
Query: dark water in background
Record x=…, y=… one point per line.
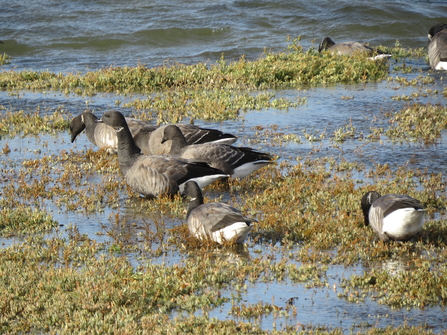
x=80, y=35
x=77, y=35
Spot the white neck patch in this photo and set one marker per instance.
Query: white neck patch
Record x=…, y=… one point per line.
x=118, y=129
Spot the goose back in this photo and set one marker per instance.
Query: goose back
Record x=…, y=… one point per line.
x=393, y=216
x=146, y=177
x=192, y=134
x=238, y=162
x=349, y=48
x=217, y=221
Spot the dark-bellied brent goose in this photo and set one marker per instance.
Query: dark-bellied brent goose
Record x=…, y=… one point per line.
x=101, y=134
x=193, y=135
x=217, y=221
x=146, y=136
x=437, y=46
x=393, y=216
x=350, y=48
x=237, y=162
x=153, y=175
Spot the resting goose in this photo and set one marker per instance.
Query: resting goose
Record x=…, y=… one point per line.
x=154, y=175
x=349, y=48
x=146, y=136
x=237, y=162
x=393, y=216
x=217, y=221
x=437, y=46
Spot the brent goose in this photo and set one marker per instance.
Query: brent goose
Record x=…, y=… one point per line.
x=217, y=221
x=393, y=216
x=104, y=136
x=101, y=134
x=237, y=162
x=153, y=175
x=437, y=46
x=193, y=134
x=350, y=48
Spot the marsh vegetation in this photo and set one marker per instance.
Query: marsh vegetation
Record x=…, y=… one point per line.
x=84, y=254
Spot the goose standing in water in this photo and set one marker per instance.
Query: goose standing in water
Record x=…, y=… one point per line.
x=393, y=216
x=101, y=134
x=154, y=175
x=437, y=46
x=237, y=162
x=146, y=136
x=193, y=134
x=217, y=221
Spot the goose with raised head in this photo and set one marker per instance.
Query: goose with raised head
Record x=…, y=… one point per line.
x=145, y=135
x=350, y=48
x=437, y=46
x=154, y=175
x=217, y=221
x=393, y=216
x=237, y=162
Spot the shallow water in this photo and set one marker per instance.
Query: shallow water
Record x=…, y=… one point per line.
x=81, y=35
x=322, y=307
x=324, y=111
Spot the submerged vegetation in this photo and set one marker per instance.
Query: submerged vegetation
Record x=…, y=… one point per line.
x=308, y=210
x=5, y=59
x=418, y=122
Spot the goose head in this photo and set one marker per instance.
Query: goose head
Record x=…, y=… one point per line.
x=77, y=125
x=436, y=29
x=366, y=203
x=325, y=44
x=114, y=119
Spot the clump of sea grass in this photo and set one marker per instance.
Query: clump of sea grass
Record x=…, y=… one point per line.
x=5, y=59
x=24, y=123
x=416, y=122
x=23, y=219
x=270, y=70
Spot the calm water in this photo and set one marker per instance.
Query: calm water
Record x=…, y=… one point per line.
x=80, y=35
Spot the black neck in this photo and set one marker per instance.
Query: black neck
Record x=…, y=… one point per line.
x=178, y=143
x=195, y=202
x=128, y=151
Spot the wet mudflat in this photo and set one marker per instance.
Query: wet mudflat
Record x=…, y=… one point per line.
x=124, y=263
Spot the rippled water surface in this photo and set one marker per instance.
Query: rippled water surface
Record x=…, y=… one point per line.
x=82, y=35
x=79, y=35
